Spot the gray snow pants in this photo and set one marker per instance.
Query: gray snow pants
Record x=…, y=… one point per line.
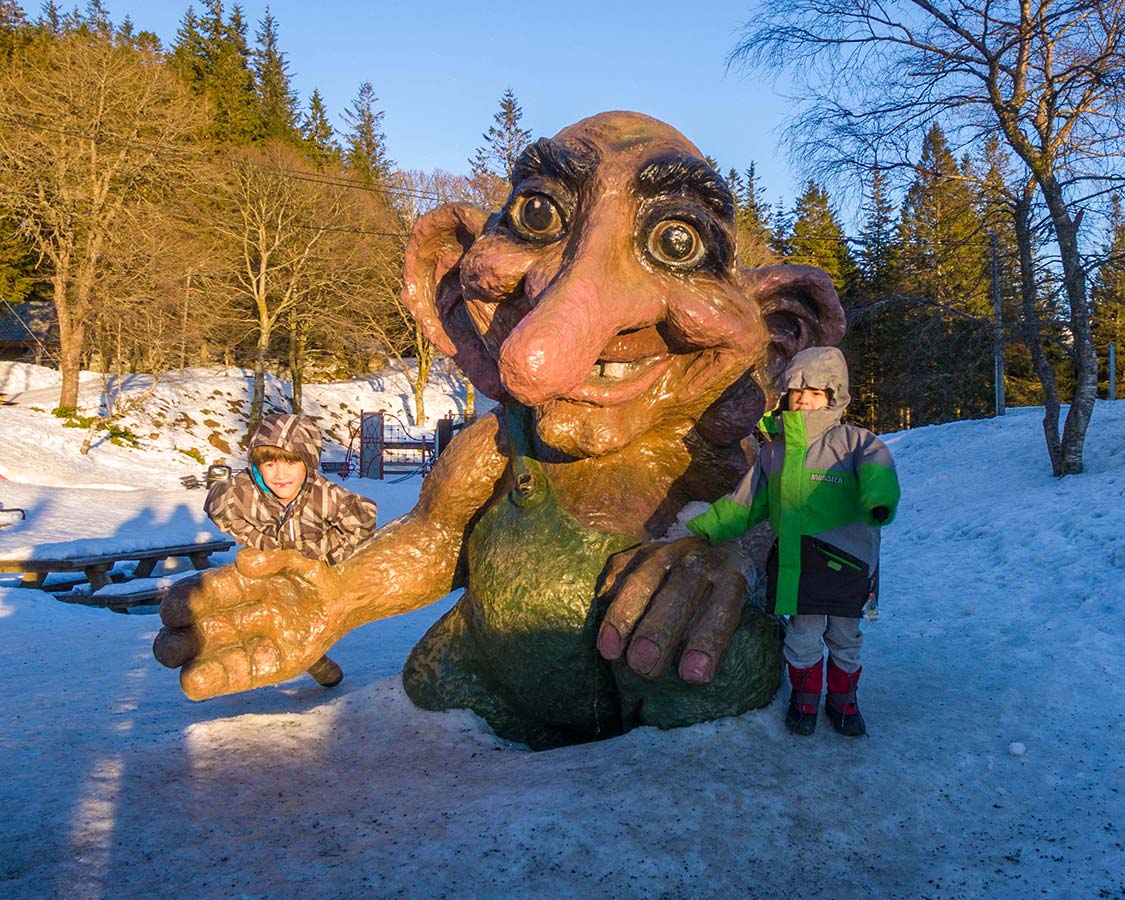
x=803, y=636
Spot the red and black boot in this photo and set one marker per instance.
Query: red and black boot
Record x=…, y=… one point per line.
x=804, y=699
x=840, y=704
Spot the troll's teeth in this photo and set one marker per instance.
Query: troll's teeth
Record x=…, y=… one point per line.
x=615, y=371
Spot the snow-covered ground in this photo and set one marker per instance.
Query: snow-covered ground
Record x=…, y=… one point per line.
x=993, y=689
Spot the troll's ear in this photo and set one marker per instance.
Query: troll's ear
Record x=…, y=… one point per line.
x=800, y=308
x=432, y=290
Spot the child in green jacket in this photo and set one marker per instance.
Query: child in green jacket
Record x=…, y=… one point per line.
x=827, y=489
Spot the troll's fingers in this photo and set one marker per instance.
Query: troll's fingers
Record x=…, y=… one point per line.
x=634, y=588
x=658, y=635
x=710, y=633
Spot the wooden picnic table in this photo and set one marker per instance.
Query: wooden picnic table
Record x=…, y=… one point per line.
x=98, y=567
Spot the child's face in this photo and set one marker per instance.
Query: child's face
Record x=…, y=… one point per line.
x=808, y=398
x=283, y=478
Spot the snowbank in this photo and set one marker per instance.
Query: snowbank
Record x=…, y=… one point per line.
x=992, y=687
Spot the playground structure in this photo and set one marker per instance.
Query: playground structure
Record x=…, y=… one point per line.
x=381, y=444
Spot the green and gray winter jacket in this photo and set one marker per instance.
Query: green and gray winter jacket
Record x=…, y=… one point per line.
x=817, y=481
x=324, y=521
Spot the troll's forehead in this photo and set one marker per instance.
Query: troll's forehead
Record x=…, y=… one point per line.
x=619, y=132
x=651, y=156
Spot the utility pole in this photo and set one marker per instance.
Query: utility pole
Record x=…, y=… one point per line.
x=998, y=323
x=1112, y=372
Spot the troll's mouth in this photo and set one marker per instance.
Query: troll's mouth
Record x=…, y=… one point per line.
x=609, y=383
x=633, y=362
x=614, y=371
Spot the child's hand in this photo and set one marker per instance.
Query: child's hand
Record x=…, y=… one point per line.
x=667, y=595
x=263, y=620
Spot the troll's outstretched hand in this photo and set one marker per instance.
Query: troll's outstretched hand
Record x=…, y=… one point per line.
x=263, y=620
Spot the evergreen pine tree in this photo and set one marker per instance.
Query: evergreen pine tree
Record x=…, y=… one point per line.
x=14, y=30
x=782, y=221
x=277, y=103
x=878, y=253
x=93, y=19
x=318, y=137
x=188, y=57
x=17, y=265
x=944, y=247
x=493, y=162
x=12, y=17
x=817, y=238
x=145, y=41
x=505, y=140
x=229, y=81
x=752, y=218
x=50, y=19
x=737, y=185
x=365, y=149
x=874, y=317
x=998, y=217
x=947, y=373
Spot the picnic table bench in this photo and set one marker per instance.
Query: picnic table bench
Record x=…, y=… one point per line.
x=98, y=567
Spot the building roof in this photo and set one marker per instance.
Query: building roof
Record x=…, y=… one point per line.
x=27, y=322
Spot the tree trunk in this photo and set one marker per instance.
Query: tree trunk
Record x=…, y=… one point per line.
x=71, y=336
x=470, y=400
x=111, y=398
x=184, y=322
x=258, y=396
x=425, y=360
x=1085, y=358
x=294, y=374
x=1032, y=332
x=297, y=344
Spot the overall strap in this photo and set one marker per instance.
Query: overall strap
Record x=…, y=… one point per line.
x=530, y=484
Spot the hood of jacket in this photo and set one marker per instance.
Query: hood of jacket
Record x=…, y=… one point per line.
x=297, y=434
x=822, y=368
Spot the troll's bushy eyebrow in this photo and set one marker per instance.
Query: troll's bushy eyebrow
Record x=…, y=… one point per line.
x=571, y=164
x=676, y=173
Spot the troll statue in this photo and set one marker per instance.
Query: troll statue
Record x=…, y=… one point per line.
x=604, y=308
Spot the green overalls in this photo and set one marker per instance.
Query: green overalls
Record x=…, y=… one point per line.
x=519, y=648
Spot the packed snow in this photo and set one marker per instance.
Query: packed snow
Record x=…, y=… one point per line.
x=993, y=690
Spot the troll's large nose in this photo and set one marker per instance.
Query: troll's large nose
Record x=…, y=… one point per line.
x=602, y=291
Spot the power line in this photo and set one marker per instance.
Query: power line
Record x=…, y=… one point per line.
x=336, y=181
x=152, y=147
x=191, y=220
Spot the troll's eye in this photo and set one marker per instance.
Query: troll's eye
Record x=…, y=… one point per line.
x=537, y=216
x=675, y=243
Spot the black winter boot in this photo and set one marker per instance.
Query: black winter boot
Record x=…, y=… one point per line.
x=326, y=673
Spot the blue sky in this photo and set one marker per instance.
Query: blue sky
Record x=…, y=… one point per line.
x=439, y=69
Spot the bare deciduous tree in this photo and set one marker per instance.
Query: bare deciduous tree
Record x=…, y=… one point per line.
x=363, y=262
x=274, y=219
x=420, y=193
x=89, y=127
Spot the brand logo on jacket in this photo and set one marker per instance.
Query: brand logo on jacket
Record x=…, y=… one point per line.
x=826, y=477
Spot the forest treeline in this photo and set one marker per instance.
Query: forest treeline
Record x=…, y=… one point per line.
x=180, y=205
x=922, y=280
